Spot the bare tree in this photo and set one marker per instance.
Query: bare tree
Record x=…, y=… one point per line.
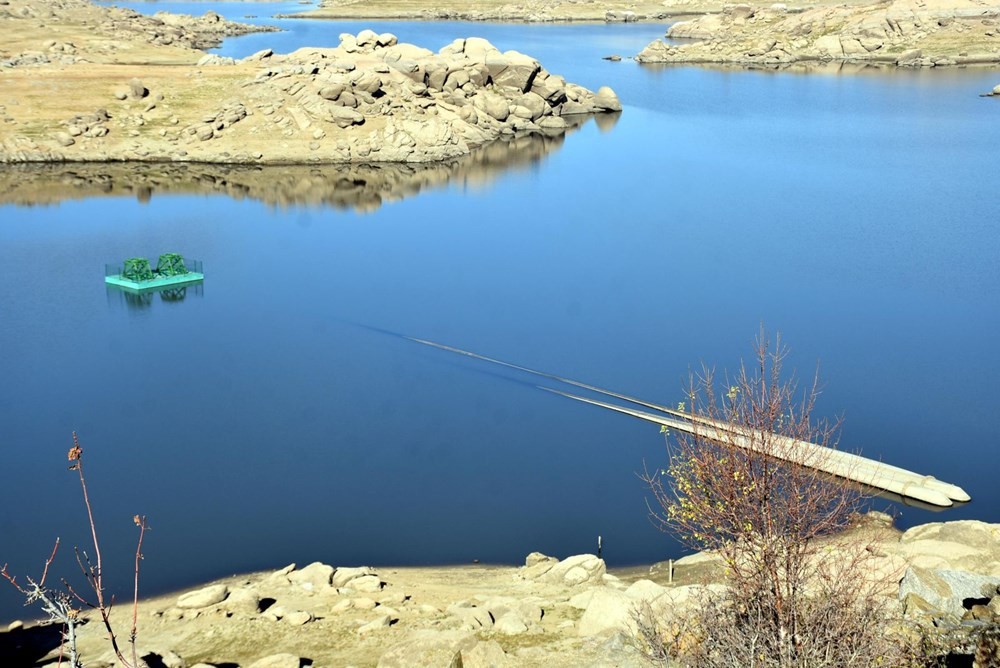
x=64, y=605
x=794, y=597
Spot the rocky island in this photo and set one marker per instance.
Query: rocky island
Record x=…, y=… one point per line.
x=76, y=85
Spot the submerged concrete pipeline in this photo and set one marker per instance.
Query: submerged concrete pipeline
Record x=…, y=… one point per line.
x=846, y=465
x=835, y=462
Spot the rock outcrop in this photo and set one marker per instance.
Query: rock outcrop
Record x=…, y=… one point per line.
x=904, y=33
x=532, y=11
x=369, y=100
x=125, y=87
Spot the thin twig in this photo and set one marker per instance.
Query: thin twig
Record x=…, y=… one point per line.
x=48, y=562
x=140, y=521
x=95, y=576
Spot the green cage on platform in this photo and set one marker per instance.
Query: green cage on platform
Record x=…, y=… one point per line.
x=171, y=264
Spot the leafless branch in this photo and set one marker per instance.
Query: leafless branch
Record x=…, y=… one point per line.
x=59, y=605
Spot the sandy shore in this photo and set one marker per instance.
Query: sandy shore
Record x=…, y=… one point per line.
x=437, y=603
x=548, y=612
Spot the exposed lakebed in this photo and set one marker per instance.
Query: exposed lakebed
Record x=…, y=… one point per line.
x=261, y=420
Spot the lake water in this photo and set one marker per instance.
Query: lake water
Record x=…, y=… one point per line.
x=267, y=417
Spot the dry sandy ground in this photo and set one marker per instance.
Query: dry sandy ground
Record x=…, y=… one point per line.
x=440, y=604
x=547, y=613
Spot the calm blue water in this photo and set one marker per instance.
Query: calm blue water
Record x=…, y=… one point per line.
x=263, y=421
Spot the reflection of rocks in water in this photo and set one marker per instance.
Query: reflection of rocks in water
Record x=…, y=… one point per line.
x=607, y=122
x=358, y=187
x=800, y=67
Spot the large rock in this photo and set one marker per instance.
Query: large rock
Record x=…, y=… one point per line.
x=577, y=570
x=297, y=617
x=951, y=592
x=492, y=104
x=829, y=46
x=333, y=90
x=645, y=590
x=480, y=50
x=381, y=622
x=537, y=558
x=244, y=601
x=910, y=58
x=429, y=649
x=137, y=91
x=366, y=583
x=582, y=600
x=519, y=72
x=608, y=611
x=510, y=624
x=345, y=117
x=705, y=27
x=315, y=576
x=485, y=654
x=687, y=597
x=535, y=104
x=409, y=52
x=277, y=661
x=343, y=575
x=366, y=81
x=620, y=16
x=965, y=545
x=202, y=598
x=607, y=100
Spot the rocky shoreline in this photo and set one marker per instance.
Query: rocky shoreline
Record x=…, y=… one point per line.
x=901, y=33
x=533, y=11
x=943, y=576
x=132, y=96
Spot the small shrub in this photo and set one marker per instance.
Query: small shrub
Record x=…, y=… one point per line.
x=797, y=597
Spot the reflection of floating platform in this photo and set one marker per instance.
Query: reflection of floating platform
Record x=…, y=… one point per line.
x=158, y=283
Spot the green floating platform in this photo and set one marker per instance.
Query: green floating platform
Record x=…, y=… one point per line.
x=157, y=283
x=136, y=275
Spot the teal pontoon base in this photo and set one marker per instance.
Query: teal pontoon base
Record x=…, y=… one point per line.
x=158, y=283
